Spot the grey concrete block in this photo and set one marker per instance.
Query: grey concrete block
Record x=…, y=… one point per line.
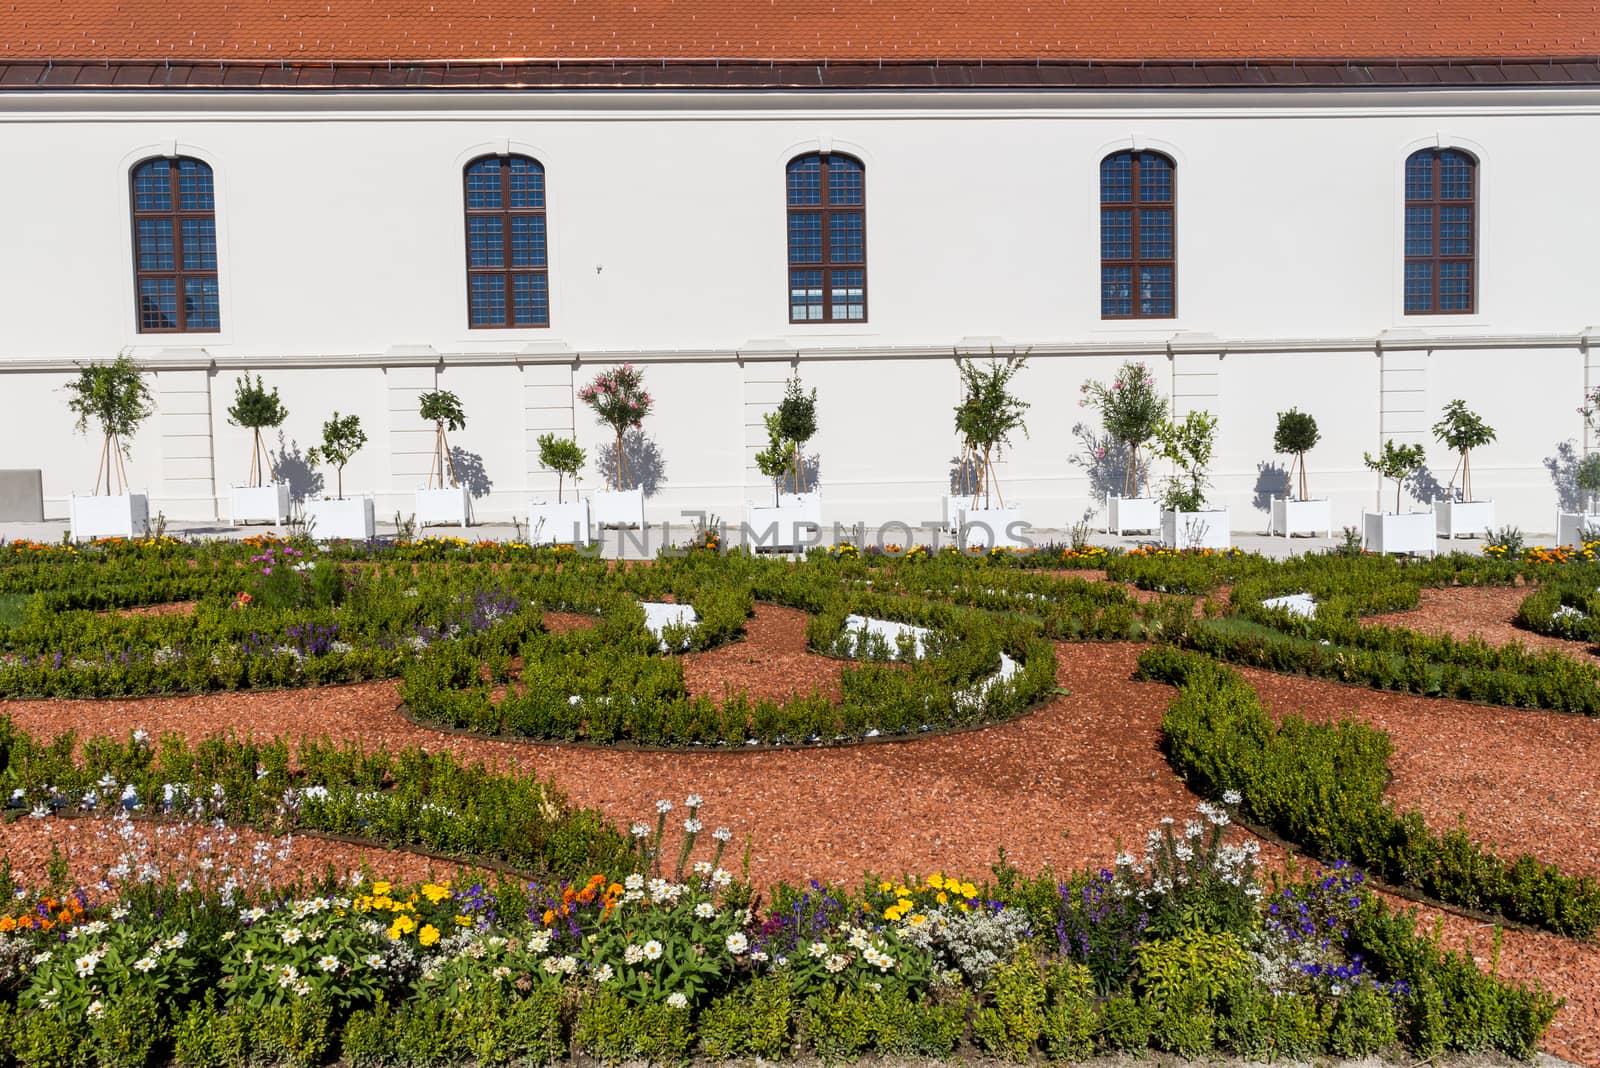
x=22, y=496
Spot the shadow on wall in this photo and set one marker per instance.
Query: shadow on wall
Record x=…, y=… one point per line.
x=1426, y=488
x=469, y=471
x=1106, y=463
x=643, y=464
x=292, y=467
x=1272, y=480
x=963, y=476
x=1563, y=468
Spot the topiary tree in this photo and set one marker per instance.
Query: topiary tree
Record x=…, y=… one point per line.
x=619, y=400
x=1188, y=444
x=1587, y=476
x=443, y=409
x=1463, y=430
x=255, y=409
x=988, y=414
x=1131, y=410
x=563, y=456
x=341, y=439
x=114, y=397
x=773, y=461
x=797, y=424
x=1397, y=462
x=1296, y=435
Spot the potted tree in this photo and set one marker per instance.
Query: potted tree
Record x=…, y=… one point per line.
x=1298, y=513
x=1397, y=531
x=619, y=401
x=336, y=517
x=1186, y=522
x=263, y=498
x=985, y=419
x=563, y=522
x=1462, y=430
x=443, y=501
x=1131, y=409
x=114, y=397
x=788, y=430
x=1571, y=527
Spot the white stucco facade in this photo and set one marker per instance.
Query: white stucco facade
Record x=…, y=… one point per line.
x=341, y=270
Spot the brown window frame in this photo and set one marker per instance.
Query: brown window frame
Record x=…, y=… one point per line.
x=180, y=273
x=1135, y=208
x=506, y=213
x=1436, y=203
x=826, y=265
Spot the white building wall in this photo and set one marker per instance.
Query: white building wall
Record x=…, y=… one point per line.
x=341, y=269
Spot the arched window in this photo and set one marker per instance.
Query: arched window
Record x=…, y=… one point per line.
x=827, y=239
x=175, y=246
x=1138, y=265
x=508, y=277
x=1441, y=232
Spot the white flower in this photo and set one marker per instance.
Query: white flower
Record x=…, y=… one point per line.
x=85, y=965
x=836, y=963
x=372, y=960
x=640, y=830
x=676, y=1000
x=738, y=943
x=291, y=935
x=1231, y=797
x=41, y=958
x=568, y=965
x=722, y=834
x=253, y=915
x=96, y=1009
x=328, y=963
x=120, y=913
x=634, y=882
x=552, y=965
x=721, y=878
x=302, y=988
x=694, y=801
x=603, y=974
x=95, y=928
x=652, y=950
x=692, y=826
x=539, y=941
x=819, y=949
x=287, y=975
x=633, y=954
x=702, y=867
x=705, y=910
x=144, y=964
x=663, y=806
x=502, y=972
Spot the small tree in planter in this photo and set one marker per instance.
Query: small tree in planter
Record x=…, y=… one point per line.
x=256, y=409
x=1462, y=430
x=1296, y=435
x=1188, y=444
x=619, y=400
x=797, y=424
x=342, y=438
x=1131, y=409
x=442, y=408
x=114, y=397
x=988, y=415
x=1396, y=462
x=773, y=461
x=563, y=456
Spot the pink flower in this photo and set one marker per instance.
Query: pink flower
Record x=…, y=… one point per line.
x=1100, y=453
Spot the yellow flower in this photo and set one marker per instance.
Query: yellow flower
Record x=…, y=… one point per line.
x=884, y=888
x=428, y=935
x=968, y=890
x=943, y=898
x=381, y=889
x=463, y=921
x=434, y=892
x=402, y=926
x=917, y=920
x=936, y=881
x=383, y=903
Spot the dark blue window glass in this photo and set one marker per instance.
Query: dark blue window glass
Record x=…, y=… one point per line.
x=1455, y=231
x=1441, y=232
x=1116, y=178
x=486, y=299
x=527, y=241
x=486, y=241
x=826, y=196
x=155, y=245
x=1455, y=176
x=158, y=303
x=1155, y=178
x=845, y=237
x=805, y=295
x=527, y=183
x=200, y=244
x=1419, y=287
x=1116, y=234
x=1137, y=236
x=848, y=297
x=1116, y=292
x=200, y=303
x=1419, y=231
x=508, y=284
x=805, y=237
x=175, y=246
x=1455, y=287
x=805, y=182
x=152, y=186
x=483, y=184
x=530, y=298
x=846, y=185
x=1155, y=235
x=1155, y=291
x=194, y=186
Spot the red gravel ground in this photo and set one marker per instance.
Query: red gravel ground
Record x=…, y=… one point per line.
x=1489, y=612
x=771, y=662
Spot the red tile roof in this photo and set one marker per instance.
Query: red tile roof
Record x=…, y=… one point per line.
x=303, y=30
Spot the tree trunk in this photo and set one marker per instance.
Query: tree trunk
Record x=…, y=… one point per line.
x=1466, y=475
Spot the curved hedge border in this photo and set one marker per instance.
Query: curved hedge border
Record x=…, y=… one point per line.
x=1565, y=607
x=1321, y=786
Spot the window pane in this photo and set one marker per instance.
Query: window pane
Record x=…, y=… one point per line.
x=845, y=239
x=527, y=183
x=1455, y=287
x=1116, y=179
x=1419, y=231
x=845, y=185
x=1455, y=231
x=486, y=303
x=530, y=299
x=1419, y=287
x=1116, y=234
x=154, y=238
x=805, y=237
x=1419, y=176
x=200, y=304
x=1155, y=179
x=1116, y=291
x=805, y=182
x=1155, y=234
x=1455, y=176
x=847, y=295
x=483, y=184
x=152, y=186
x=199, y=244
x=527, y=241
x=158, y=304
x=805, y=295
x=1155, y=291
x=485, y=241
x=194, y=186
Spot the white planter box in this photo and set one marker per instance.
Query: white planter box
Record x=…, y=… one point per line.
x=788, y=525
x=347, y=517
x=125, y=515
x=1403, y=532
x=1463, y=517
x=617, y=508
x=1206, y=529
x=261, y=504
x=989, y=527
x=1132, y=513
x=952, y=506
x=565, y=523
x=448, y=507
x=1571, y=525
x=1291, y=517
